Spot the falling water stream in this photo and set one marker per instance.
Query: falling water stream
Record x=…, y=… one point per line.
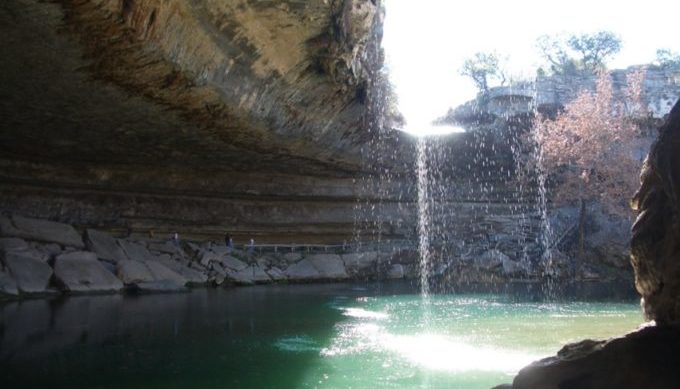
x=424, y=216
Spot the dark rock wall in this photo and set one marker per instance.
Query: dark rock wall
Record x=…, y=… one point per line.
x=656, y=232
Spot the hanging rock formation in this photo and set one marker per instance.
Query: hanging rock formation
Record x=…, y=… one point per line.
x=153, y=116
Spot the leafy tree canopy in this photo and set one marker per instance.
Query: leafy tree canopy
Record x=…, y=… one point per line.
x=578, y=53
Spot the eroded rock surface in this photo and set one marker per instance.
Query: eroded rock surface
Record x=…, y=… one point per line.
x=656, y=233
x=640, y=360
x=81, y=272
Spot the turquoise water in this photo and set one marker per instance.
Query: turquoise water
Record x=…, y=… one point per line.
x=316, y=336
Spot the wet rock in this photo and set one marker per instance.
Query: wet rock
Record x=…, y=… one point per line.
x=133, y=272
x=329, y=266
x=162, y=286
x=641, y=359
x=396, y=271
x=41, y=230
x=490, y=260
x=30, y=274
x=82, y=272
x=252, y=274
x=105, y=246
x=302, y=271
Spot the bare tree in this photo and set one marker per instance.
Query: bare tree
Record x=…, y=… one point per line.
x=588, y=148
x=482, y=68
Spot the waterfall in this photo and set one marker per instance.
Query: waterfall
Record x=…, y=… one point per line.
x=424, y=216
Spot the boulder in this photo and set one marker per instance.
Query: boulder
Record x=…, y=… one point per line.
x=217, y=268
x=329, y=266
x=30, y=274
x=292, y=257
x=243, y=277
x=18, y=245
x=396, y=271
x=514, y=268
x=12, y=244
x=8, y=287
x=221, y=250
x=259, y=275
x=193, y=277
x=490, y=260
x=166, y=248
x=207, y=257
x=643, y=359
x=232, y=263
x=360, y=263
x=302, y=271
x=42, y=231
x=135, y=251
x=81, y=272
x=161, y=273
x=105, y=246
x=133, y=272
x=276, y=274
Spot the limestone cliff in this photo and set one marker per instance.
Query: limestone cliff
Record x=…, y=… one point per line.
x=201, y=116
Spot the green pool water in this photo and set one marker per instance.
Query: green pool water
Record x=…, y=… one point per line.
x=316, y=336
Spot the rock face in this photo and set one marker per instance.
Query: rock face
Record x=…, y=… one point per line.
x=656, y=233
x=105, y=246
x=641, y=359
x=82, y=272
x=248, y=116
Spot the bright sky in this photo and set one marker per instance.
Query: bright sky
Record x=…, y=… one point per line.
x=426, y=42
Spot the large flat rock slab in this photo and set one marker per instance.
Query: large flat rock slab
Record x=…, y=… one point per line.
x=302, y=271
x=329, y=266
x=161, y=273
x=105, y=246
x=133, y=272
x=80, y=271
x=30, y=274
x=192, y=276
x=41, y=230
x=135, y=251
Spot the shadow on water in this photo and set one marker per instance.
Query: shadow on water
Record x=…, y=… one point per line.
x=257, y=337
x=206, y=338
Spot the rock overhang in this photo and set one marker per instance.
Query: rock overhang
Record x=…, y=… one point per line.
x=217, y=85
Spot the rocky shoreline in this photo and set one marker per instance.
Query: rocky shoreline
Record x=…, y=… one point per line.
x=42, y=258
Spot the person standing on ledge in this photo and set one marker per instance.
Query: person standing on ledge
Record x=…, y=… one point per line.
x=175, y=239
x=228, y=242
x=251, y=247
